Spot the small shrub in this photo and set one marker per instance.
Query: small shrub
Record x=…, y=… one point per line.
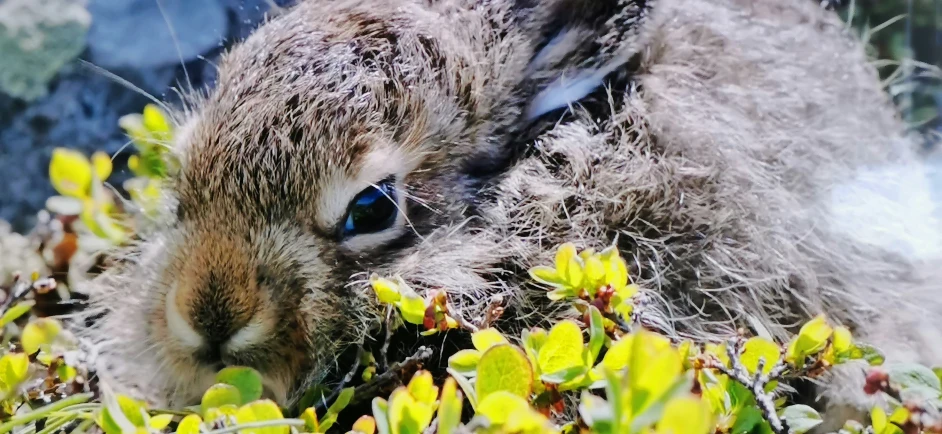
x=620, y=377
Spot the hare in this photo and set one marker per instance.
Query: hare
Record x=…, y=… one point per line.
x=456, y=143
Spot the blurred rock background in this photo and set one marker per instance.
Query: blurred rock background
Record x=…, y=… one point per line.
x=50, y=98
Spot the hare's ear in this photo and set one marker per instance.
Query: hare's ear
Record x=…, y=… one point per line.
x=584, y=41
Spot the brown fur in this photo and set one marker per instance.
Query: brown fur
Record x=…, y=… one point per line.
x=712, y=163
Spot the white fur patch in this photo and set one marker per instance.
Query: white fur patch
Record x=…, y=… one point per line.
x=253, y=333
x=177, y=325
x=895, y=207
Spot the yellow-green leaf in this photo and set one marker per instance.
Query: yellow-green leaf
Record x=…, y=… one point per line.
x=16, y=311
x=160, y=421
x=219, y=395
x=616, y=270
x=504, y=367
x=406, y=415
x=486, y=338
x=449, y=410
x=654, y=371
x=498, y=406
x=386, y=290
x=70, y=172
x=311, y=424
x=411, y=305
x=247, y=380
x=422, y=387
x=564, y=255
x=562, y=349
x=39, y=333
x=544, y=274
x=575, y=274
x=189, y=425
x=367, y=425
x=155, y=120
x=14, y=368
x=101, y=163
x=132, y=411
x=686, y=415
x=259, y=411
x=811, y=339
x=842, y=340
x=465, y=361
x=756, y=348
x=594, y=272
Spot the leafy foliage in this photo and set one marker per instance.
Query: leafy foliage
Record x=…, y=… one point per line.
x=600, y=371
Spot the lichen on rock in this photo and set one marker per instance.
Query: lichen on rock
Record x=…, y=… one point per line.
x=38, y=38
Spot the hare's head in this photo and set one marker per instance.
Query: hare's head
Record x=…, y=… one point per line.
x=335, y=139
x=342, y=138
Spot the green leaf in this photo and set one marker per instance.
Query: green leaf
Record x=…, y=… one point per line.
x=563, y=348
x=70, y=172
x=189, y=424
x=386, y=290
x=871, y=354
x=260, y=411
x=247, y=380
x=655, y=368
x=381, y=415
x=756, y=348
x=16, y=311
x=498, y=406
x=449, y=409
x=746, y=419
x=597, y=413
x=486, y=338
x=160, y=421
x=311, y=423
x=564, y=375
x=411, y=305
x=546, y=275
x=465, y=361
x=342, y=401
x=801, y=418
x=38, y=333
x=811, y=339
x=687, y=415
x=596, y=335
x=14, y=368
x=504, y=367
x=406, y=415
x=909, y=375
x=219, y=395
x=422, y=387
x=465, y=385
x=365, y=425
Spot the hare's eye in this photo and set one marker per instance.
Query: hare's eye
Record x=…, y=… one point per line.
x=372, y=210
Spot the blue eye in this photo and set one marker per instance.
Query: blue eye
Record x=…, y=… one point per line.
x=372, y=210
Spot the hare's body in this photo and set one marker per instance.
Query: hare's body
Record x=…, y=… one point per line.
x=712, y=154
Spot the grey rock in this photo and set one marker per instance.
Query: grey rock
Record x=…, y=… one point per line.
x=135, y=33
x=38, y=38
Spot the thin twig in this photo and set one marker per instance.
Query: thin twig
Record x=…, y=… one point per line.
x=465, y=324
x=372, y=389
x=757, y=384
x=619, y=321
x=384, y=350
x=322, y=405
x=494, y=310
x=18, y=290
